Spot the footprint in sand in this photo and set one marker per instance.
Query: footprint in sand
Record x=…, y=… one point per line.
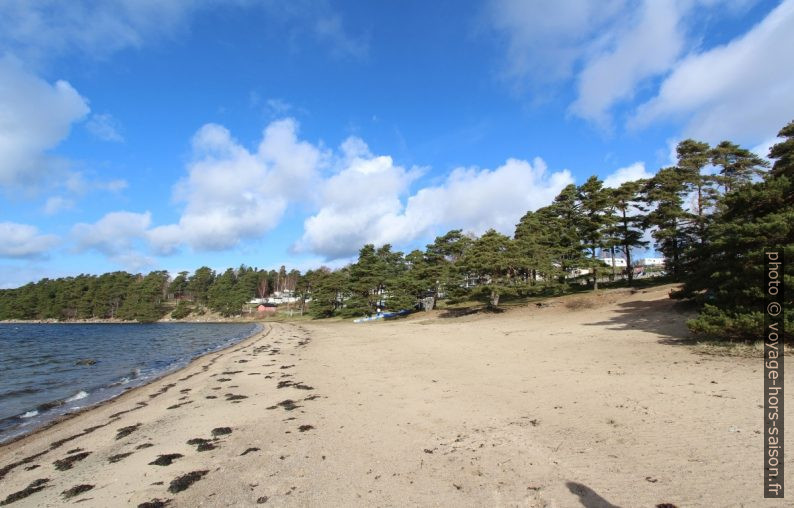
x=202, y=445
x=76, y=491
x=68, y=462
x=32, y=488
x=121, y=456
x=185, y=481
x=166, y=460
x=126, y=431
x=155, y=503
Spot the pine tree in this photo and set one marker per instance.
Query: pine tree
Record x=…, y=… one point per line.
x=443, y=275
x=626, y=230
x=493, y=258
x=329, y=289
x=179, y=285
x=535, y=241
x=199, y=284
x=664, y=195
x=366, y=283
x=693, y=156
x=737, y=165
x=752, y=218
x=221, y=296
x=594, y=221
x=564, y=218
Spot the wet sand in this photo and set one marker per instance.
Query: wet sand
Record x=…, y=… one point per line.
x=597, y=405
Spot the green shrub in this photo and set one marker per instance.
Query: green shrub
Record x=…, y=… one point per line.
x=181, y=311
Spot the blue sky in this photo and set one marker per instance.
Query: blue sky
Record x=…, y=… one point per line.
x=144, y=135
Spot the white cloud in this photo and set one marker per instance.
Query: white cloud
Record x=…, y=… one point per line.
x=105, y=127
x=231, y=193
x=545, y=40
x=356, y=203
x=362, y=203
x=119, y=236
x=45, y=29
x=613, y=50
x=114, y=234
x=329, y=30
x=36, y=116
x=647, y=47
x=56, y=204
x=630, y=173
x=24, y=241
x=77, y=183
x=278, y=107
x=739, y=91
x=49, y=28
x=762, y=148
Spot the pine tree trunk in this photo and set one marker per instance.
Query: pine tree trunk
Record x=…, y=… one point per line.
x=612, y=251
x=494, y=298
x=629, y=268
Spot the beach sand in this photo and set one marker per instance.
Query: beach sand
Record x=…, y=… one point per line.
x=592, y=403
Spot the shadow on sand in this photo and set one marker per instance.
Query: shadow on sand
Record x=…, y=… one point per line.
x=666, y=318
x=468, y=311
x=588, y=497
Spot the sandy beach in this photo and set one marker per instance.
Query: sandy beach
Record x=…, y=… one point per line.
x=560, y=405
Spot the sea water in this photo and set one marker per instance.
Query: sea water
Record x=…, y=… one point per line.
x=48, y=370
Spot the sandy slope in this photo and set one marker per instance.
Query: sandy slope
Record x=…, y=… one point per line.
x=533, y=407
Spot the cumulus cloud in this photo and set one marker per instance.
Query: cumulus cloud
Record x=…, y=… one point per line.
x=630, y=173
x=231, y=193
x=36, y=117
x=356, y=203
x=740, y=90
x=114, y=234
x=24, y=241
x=362, y=203
x=118, y=235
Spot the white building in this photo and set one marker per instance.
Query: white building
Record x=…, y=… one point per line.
x=619, y=262
x=280, y=297
x=277, y=298
x=650, y=262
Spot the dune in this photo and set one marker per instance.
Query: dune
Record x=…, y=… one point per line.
x=586, y=401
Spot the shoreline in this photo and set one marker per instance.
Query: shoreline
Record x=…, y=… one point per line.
x=263, y=330
x=124, y=322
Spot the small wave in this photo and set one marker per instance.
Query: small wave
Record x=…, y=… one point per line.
x=30, y=414
x=16, y=393
x=77, y=396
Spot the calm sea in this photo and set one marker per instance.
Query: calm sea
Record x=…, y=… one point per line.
x=47, y=370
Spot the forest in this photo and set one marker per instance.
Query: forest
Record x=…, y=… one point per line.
x=711, y=215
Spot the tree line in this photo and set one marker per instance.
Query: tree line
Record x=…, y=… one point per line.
x=711, y=215
x=144, y=298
